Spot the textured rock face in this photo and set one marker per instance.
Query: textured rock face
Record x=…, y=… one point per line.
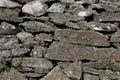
x=81, y=37
x=59, y=39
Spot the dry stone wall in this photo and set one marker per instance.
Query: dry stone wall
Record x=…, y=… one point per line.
x=59, y=40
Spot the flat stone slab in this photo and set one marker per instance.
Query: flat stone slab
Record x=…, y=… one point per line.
x=70, y=52
x=81, y=37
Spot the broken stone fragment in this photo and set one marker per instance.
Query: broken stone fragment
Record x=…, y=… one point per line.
x=38, y=51
x=2, y=62
x=115, y=37
x=32, y=75
x=35, y=8
x=57, y=8
x=10, y=15
x=103, y=27
x=81, y=37
x=12, y=75
x=108, y=16
x=25, y=37
x=85, y=13
x=35, y=26
x=55, y=74
x=70, y=52
x=90, y=77
x=67, y=1
x=89, y=1
x=7, y=3
x=8, y=29
x=74, y=70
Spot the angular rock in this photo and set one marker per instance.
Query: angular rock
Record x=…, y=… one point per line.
x=10, y=15
x=91, y=77
x=40, y=65
x=20, y=51
x=2, y=63
x=33, y=75
x=12, y=75
x=35, y=26
x=7, y=3
x=67, y=1
x=108, y=16
x=6, y=53
x=9, y=43
x=63, y=65
x=38, y=51
x=8, y=29
x=115, y=37
x=89, y=1
x=81, y=37
x=55, y=74
x=74, y=70
x=35, y=8
x=25, y=37
x=44, y=37
x=69, y=52
x=57, y=8
x=103, y=27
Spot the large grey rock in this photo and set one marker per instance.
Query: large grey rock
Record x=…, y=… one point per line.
x=35, y=8
x=81, y=37
x=7, y=3
x=8, y=29
x=35, y=26
x=74, y=70
x=70, y=52
x=12, y=75
x=55, y=74
x=10, y=15
x=57, y=8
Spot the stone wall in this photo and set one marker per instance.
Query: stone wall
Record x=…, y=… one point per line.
x=59, y=40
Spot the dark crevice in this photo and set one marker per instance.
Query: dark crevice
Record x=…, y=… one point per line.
x=89, y=18
x=99, y=10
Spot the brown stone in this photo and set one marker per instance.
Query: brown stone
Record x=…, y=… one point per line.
x=81, y=37
x=69, y=52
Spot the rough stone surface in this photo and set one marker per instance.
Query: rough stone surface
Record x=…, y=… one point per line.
x=115, y=37
x=56, y=74
x=90, y=77
x=81, y=37
x=35, y=8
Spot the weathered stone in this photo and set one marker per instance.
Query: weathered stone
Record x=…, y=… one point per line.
x=69, y=52
x=38, y=51
x=35, y=26
x=20, y=51
x=90, y=77
x=81, y=37
x=44, y=37
x=40, y=65
x=89, y=1
x=60, y=18
x=10, y=15
x=85, y=13
x=74, y=70
x=103, y=65
x=9, y=29
x=42, y=18
x=67, y=1
x=25, y=37
x=9, y=43
x=115, y=37
x=55, y=74
x=2, y=63
x=6, y=53
x=33, y=75
x=108, y=16
x=57, y=8
x=7, y=3
x=103, y=27
x=63, y=65
x=35, y=8
x=12, y=75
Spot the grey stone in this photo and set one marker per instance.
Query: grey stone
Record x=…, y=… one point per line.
x=55, y=74
x=10, y=15
x=35, y=8
x=38, y=51
x=40, y=65
x=6, y=53
x=7, y=3
x=63, y=65
x=2, y=63
x=74, y=70
x=20, y=51
x=91, y=77
x=8, y=29
x=81, y=37
x=103, y=27
x=57, y=8
x=25, y=37
x=70, y=52
x=12, y=75
x=44, y=37
x=33, y=75
x=67, y=1
x=35, y=26
x=115, y=37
